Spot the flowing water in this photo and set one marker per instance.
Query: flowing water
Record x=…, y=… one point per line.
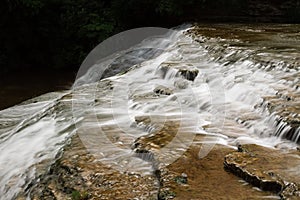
x=247, y=91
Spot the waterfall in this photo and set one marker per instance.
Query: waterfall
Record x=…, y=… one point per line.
x=227, y=89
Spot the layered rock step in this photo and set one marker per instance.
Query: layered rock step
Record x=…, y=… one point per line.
x=285, y=107
x=268, y=169
x=189, y=176
x=77, y=175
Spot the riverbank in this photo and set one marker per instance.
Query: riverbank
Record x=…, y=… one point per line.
x=21, y=85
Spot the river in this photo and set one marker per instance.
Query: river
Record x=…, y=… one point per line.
x=234, y=84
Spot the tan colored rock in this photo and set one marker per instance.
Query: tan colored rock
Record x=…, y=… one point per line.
x=77, y=175
x=206, y=178
x=190, y=177
x=268, y=169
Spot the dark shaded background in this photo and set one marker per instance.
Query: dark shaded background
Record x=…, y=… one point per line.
x=43, y=42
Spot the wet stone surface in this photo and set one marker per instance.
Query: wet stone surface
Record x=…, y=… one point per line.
x=286, y=106
x=206, y=178
x=191, y=177
x=266, y=168
x=189, y=74
x=283, y=102
x=162, y=90
x=77, y=175
x=186, y=71
x=170, y=143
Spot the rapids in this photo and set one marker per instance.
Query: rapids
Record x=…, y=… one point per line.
x=247, y=91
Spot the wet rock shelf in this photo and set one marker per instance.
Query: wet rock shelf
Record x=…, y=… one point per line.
x=266, y=168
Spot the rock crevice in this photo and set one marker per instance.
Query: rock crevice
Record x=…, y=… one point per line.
x=267, y=169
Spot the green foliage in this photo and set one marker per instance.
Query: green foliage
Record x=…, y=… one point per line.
x=33, y=4
x=60, y=33
x=76, y=195
x=52, y=33
x=175, y=7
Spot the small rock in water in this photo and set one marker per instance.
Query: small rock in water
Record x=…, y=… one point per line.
x=241, y=148
x=163, y=90
x=189, y=74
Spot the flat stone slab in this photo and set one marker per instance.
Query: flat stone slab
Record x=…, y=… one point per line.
x=78, y=175
x=268, y=169
x=190, y=177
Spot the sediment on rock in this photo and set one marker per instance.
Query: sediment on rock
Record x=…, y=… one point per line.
x=77, y=175
x=268, y=169
x=206, y=178
x=188, y=176
x=148, y=147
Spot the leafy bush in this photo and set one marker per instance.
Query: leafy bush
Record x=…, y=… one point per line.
x=60, y=33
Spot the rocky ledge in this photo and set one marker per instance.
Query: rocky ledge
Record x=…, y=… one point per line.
x=77, y=175
x=189, y=176
x=192, y=178
x=268, y=169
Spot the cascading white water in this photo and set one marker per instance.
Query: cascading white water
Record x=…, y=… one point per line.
x=226, y=101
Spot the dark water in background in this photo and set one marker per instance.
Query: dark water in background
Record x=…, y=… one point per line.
x=19, y=86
